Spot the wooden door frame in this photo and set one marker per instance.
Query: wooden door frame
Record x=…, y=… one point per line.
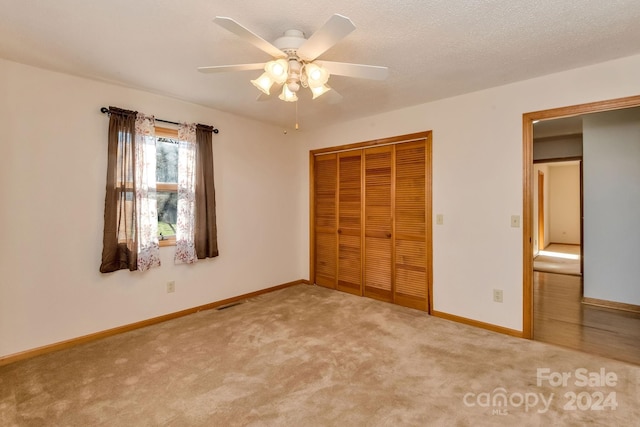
x=541, y=217
x=527, y=188
x=581, y=229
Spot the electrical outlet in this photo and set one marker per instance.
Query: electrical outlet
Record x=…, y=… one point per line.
x=171, y=287
x=497, y=295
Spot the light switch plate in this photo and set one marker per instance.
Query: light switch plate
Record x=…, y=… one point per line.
x=515, y=221
x=439, y=219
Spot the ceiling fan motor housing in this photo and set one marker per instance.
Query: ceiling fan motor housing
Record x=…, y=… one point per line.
x=289, y=44
x=295, y=67
x=290, y=41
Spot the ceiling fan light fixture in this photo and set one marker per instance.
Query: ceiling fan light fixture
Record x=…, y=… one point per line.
x=277, y=70
x=293, y=86
x=293, y=56
x=317, y=76
x=288, y=95
x=320, y=90
x=264, y=83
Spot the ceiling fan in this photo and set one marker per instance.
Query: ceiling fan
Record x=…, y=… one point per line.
x=295, y=61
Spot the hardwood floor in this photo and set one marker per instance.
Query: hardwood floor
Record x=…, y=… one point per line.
x=559, y=258
x=560, y=318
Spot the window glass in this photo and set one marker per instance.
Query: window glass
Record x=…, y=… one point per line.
x=167, y=213
x=167, y=186
x=167, y=160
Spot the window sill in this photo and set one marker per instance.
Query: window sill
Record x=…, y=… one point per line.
x=167, y=242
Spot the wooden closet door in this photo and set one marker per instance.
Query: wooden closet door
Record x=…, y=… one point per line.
x=410, y=269
x=325, y=193
x=349, y=222
x=378, y=247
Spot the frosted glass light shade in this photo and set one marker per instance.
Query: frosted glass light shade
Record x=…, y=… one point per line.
x=264, y=83
x=317, y=91
x=287, y=95
x=316, y=75
x=277, y=70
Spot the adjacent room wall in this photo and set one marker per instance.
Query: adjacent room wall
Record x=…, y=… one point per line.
x=612, y=206
x=564, y=203
x=557, y=147
x=477, y=178
x=53, y=174
x=544, y=168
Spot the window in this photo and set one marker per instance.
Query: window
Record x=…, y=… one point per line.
x=179, y=164
x=167, y=184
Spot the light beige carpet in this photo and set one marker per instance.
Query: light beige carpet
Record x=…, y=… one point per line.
x=559, y=259
x=308, y=356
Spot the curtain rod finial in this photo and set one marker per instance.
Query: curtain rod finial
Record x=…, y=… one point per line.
x=104, y=110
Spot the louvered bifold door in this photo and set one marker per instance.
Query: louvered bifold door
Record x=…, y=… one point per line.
x=378, y=240
x=326, y=256
x=349, y=222
x=410, y=269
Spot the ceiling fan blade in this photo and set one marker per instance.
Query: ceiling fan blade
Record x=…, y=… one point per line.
x=331, y=97
x=275, y=90
x=249, y=36
x=225, y=68
x=334, y=30
x=361, y=71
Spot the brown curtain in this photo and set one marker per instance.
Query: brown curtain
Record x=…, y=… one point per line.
x=206, y=238
x=119, y=241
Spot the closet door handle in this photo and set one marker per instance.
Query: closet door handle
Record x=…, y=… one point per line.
x=339, y=230
x=388, y=235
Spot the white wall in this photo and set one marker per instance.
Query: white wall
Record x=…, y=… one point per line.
x=564, y=203
x=477, y=178
x=612, y=206
x=53, y=174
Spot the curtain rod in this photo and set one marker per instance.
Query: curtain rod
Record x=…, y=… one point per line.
x=105, y=110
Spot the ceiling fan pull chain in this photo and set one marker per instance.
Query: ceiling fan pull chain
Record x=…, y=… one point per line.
x=296, y=115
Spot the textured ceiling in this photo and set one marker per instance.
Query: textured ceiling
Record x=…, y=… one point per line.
x=434, y=48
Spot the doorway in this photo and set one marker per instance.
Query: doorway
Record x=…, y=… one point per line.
x=533, y=282
x=557, y=247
